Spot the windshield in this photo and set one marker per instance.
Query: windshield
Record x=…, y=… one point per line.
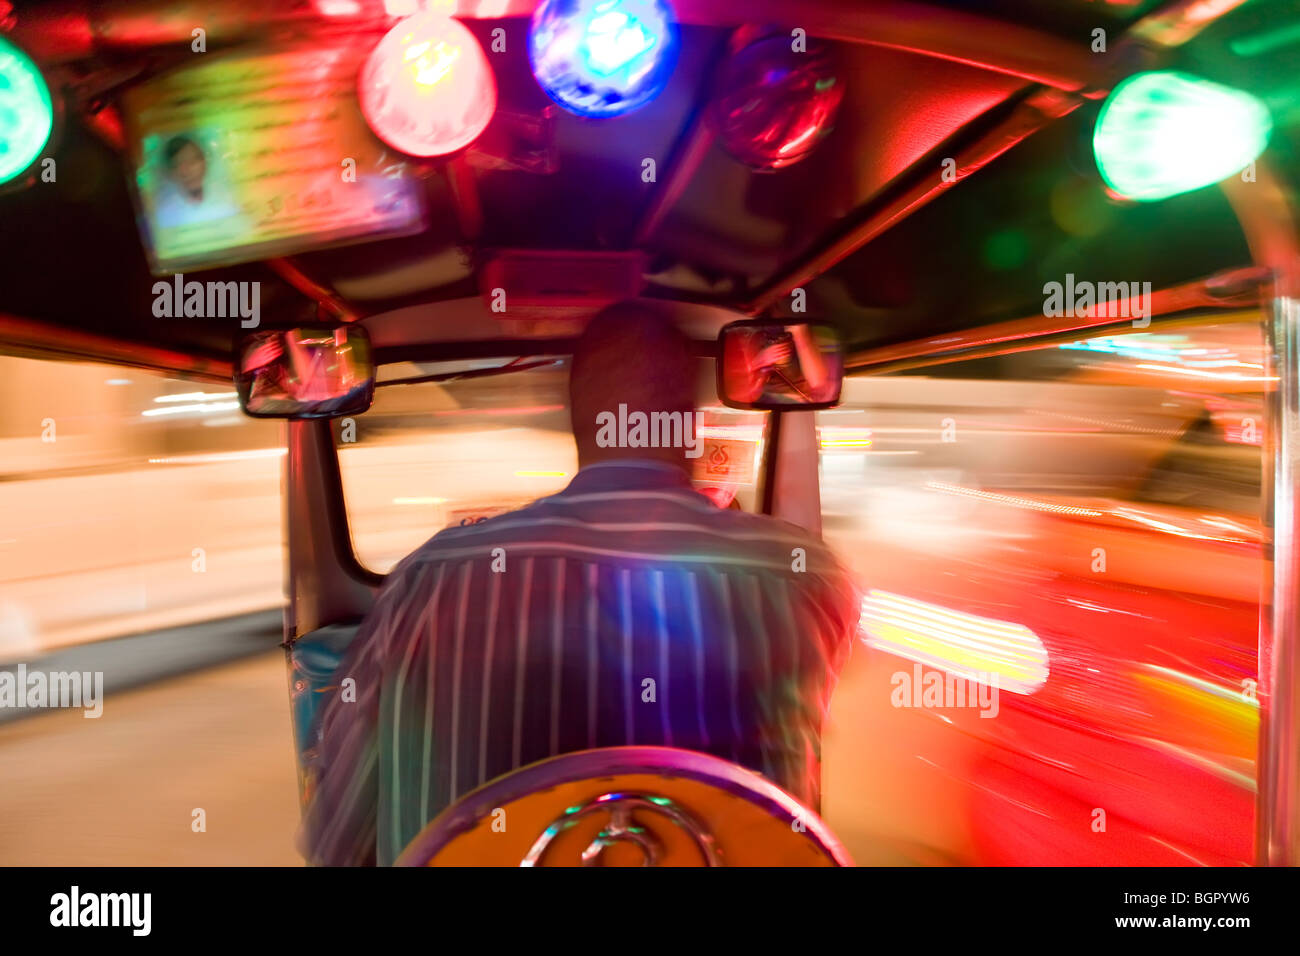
x=455, y=442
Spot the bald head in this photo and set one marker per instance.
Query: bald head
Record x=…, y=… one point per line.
x=629, y=355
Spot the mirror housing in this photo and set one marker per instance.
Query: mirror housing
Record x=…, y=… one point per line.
x=314, y=372
x=774, y=365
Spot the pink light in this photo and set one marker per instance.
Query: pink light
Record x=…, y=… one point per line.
x=427, y=88
x=338, y=8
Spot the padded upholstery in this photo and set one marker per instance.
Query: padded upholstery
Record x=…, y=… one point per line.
x=627, y=806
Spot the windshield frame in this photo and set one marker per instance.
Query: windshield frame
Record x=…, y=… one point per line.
x=508, y=362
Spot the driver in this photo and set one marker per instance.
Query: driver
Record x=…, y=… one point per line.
x=626, y=609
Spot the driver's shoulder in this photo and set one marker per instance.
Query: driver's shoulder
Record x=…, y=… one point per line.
x=798, y=544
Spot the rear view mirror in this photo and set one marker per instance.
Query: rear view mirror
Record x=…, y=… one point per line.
x=779, y=365
x=305, y=373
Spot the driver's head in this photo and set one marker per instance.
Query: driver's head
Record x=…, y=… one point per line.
x=629, y=355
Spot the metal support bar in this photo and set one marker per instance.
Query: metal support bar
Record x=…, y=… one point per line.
x=1269, y=222
x=322, y=295
x=1233, y=289
x=1278, y=799
x=768, y=499
x=686, y=161
x=796, y=493
x=943, y=32
x=692, y=146
x=42, y=339
x=326, y=584
x=1028, y=118
x=465, y=198
x=71, y=29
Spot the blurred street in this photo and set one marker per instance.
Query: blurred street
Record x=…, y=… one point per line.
x=972, y=511
x=82, y=571
x=219, y=740
x=89, y=557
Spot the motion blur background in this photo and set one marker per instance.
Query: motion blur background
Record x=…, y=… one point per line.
x=142, y=537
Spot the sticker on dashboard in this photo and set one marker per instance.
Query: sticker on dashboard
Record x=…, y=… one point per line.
x=726, y=459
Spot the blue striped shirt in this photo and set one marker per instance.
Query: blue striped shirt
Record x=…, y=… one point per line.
x=626, y=609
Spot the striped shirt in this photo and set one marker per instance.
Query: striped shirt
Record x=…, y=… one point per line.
x=626, y=609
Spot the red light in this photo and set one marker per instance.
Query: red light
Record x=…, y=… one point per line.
x=773, y=105
x=427, y=88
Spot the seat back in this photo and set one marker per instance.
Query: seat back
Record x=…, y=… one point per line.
x=627, y=806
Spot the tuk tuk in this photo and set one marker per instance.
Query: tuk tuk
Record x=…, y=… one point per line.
x=1046, y=258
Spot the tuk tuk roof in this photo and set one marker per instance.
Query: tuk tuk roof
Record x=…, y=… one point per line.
x=880, y=242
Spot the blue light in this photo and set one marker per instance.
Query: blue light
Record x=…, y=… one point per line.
x=614, y=40
x=602, y=57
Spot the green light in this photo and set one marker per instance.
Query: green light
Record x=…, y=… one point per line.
x=1164, y=133
x=1265, y=42
x=26, y=112
x=1006, y=249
